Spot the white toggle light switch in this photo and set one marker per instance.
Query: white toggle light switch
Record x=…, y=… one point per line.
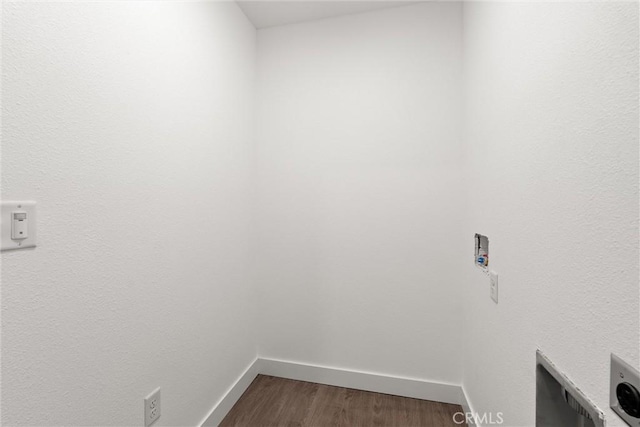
x=17, y=224
x=493, y=284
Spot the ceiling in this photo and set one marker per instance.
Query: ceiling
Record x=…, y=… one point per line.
x=267, y=13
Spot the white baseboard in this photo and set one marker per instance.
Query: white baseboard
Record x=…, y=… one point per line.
x=467, y=408
x=399, y=386
x=407, y=387
x=224, y=405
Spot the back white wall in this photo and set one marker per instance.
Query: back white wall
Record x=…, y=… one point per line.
x=552, y=136
x=130, y=124
x=359, y=191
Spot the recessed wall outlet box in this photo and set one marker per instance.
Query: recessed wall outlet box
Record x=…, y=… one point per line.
x=625, y=391
x=17, y=225
x=493, y=285
x=152, y=407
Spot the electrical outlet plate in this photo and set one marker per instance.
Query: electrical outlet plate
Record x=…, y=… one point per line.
x=493, y=286
x=152, y=407
x=622, y=372
x=7, y=208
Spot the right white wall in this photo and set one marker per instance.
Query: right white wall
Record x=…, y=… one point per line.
x=551, y=126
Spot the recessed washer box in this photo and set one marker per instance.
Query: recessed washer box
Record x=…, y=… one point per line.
x=481, y=252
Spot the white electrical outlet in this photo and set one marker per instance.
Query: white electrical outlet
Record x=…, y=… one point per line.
x=493, y=285
x=625, y=391
x=152, y=407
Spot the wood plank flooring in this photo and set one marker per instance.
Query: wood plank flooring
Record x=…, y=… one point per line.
x=272, y=401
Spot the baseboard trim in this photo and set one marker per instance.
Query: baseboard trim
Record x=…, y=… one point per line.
x=224, y=405
x=467, y=408
x=400, y=386
x=368, y=381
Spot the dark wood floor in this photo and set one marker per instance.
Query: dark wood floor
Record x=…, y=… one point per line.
x=271, y=401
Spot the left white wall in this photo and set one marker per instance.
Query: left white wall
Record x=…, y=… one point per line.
x=130, y=124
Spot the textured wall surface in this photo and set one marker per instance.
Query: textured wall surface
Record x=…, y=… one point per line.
x=359, y=191
x=552, y=142
x=130, y=124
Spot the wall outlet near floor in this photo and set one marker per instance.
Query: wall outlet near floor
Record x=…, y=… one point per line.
x=493, y=285
x=152, y=407
x=625, y=391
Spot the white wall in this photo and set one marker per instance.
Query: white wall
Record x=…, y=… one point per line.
x=359, y=191
x=130, y=124
x=122, y=119
x=552, y=140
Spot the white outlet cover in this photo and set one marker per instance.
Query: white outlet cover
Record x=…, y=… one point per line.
x=6, y=211
x=152, y=407
x=493, y=285
x=622, y=372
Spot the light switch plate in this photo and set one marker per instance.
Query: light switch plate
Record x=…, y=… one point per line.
x=7, y=208
x=493, y=285
x=623, y=373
